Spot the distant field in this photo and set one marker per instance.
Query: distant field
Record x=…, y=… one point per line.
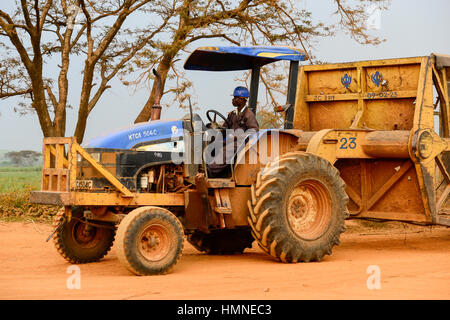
x=17, y=178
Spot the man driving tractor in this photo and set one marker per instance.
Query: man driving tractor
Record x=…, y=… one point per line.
x=240, y=120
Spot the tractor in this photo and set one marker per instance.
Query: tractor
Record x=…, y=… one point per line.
x=360, y=140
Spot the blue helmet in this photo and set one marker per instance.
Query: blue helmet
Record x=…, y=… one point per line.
x=241, y=92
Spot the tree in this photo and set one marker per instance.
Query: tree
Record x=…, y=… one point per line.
x=41, y=32
x=44, y=32
x=243, y=22
x=23, y=158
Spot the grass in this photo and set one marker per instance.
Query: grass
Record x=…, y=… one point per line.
x=19, y=178
x=15, y=186
x=20, y=169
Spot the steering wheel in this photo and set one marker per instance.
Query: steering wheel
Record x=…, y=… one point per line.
x=213, y=122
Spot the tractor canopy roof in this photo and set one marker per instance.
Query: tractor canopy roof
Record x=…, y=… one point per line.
x=240, y=58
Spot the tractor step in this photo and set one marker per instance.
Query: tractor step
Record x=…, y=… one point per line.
x=216, y=183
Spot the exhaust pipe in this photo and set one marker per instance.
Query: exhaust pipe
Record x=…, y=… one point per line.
x=156, y=108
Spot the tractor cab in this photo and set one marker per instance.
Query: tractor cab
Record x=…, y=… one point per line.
x=220, y=59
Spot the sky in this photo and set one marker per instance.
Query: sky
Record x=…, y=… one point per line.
x=410, y=27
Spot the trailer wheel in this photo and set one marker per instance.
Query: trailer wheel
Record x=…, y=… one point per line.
x=79, y=242
x=298, y=208
x=222, y=241
x=150, y=241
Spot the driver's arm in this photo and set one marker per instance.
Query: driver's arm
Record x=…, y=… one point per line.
x=229, y=120
x=250, y=120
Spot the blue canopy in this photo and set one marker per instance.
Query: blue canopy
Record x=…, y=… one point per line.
x=240, y=58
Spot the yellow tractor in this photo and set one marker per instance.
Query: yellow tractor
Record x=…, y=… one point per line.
x=367, y=140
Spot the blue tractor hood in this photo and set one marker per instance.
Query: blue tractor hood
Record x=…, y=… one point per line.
x=139, y=134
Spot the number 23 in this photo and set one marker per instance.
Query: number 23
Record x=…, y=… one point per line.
x=348, y=143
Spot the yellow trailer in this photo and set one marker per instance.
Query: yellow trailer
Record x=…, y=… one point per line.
x=390, y=140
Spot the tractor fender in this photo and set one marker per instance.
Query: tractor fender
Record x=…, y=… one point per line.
x=261, y=148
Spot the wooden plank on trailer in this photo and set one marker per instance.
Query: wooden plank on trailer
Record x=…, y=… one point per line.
x=424, y=111
x=354, y=196
x=364, y=95
x=368, y=63
x=385, y=188
x=443, y=198
x=399, y=216
x=439, y=84
x=362, y=88
x=443, y=169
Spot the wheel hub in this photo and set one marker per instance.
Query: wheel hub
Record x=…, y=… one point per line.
x=309, y=209
x=154, y=242
x=85, y=235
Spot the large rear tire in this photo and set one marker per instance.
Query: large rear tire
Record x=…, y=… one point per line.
x=79, y=242
x=298, y=208
x=150, y=241
x=222, y=241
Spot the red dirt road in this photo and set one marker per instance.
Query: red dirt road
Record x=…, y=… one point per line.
x=414, y=264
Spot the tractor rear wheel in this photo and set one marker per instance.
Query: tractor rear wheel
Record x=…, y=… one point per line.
x=149, y=241
x=298, y=208
x=222, y=241
x=80, y=242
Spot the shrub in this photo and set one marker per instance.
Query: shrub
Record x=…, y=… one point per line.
x=16, y=203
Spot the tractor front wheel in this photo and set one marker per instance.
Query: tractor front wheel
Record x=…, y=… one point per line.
x=149, y=241
x=78, y=241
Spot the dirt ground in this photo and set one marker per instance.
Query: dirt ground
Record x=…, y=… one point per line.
x=414, y=263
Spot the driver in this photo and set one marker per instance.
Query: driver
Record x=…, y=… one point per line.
x=242, y=118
